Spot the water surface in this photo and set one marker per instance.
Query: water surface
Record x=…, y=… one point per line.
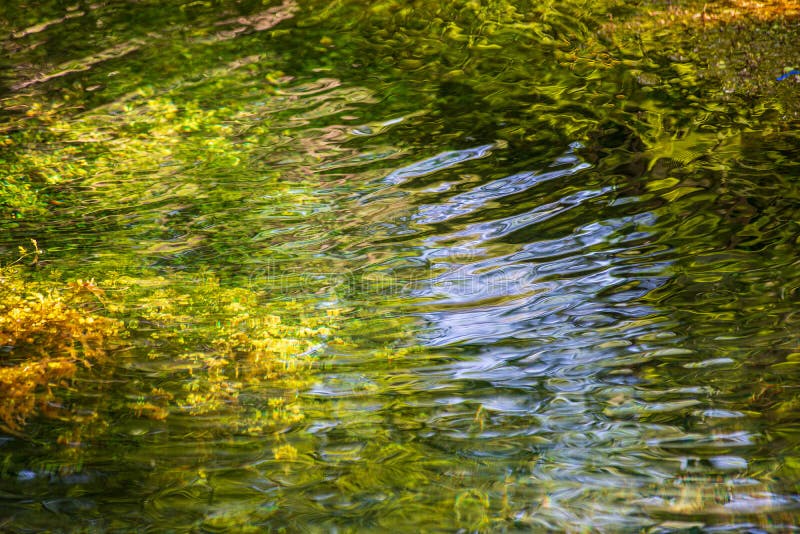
x=563, y=265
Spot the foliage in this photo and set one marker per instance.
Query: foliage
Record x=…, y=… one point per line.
x=47, y=334
x=229, y=341
x=737, y=49
x=226, y=349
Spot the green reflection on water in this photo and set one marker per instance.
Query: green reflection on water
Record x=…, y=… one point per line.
x=534, y=269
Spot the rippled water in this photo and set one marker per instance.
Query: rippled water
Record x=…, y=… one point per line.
x=568, y=265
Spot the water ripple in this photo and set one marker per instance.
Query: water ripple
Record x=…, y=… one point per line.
x=537, y=333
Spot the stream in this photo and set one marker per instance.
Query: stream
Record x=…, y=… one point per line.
x=560, y=266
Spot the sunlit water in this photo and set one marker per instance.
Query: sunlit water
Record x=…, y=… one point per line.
x=571, y=289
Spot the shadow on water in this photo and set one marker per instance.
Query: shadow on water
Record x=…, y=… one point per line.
x=566, y=296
